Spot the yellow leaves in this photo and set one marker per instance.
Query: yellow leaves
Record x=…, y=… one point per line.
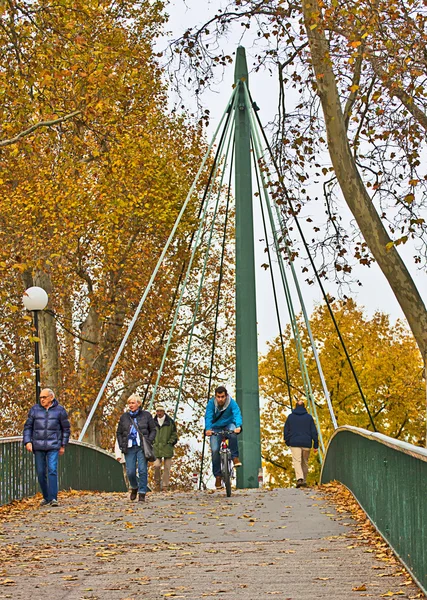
x=355, y=44
x=7, y=582
x=353, y=88
x=105, y=554
x=390, y=594
x=409, y=198
x=360, y=588
x=129, y=525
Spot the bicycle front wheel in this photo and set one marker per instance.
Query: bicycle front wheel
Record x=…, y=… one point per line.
x=226, y=473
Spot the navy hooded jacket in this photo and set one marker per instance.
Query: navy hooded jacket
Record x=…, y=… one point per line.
x=300, y=430
x=47, y=429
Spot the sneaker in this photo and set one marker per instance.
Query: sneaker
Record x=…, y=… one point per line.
x=236, y=461
x=218, y=482
x=44, y=502
x=54, y=502
x=300, y=483
x=141, y=497
x=133, y=494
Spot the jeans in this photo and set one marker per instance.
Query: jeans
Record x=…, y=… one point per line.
x=134, y=455
x=215, y=442
x=47, y=472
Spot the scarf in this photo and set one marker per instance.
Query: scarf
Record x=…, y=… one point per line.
x=133, y=437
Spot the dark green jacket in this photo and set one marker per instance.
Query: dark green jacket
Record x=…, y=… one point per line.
x=166, y=438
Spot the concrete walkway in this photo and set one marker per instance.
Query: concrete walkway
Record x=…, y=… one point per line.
x=285, y=544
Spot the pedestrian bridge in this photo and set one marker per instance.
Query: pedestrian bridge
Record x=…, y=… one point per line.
x=285, y=543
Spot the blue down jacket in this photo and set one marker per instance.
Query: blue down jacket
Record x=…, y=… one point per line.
x=300, y=430
x=47, y=429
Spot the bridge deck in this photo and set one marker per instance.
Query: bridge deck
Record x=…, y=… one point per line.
x=284, y=544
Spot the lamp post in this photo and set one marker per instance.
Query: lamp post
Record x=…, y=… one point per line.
x=36, y=299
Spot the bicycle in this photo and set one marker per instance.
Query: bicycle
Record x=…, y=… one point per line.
x=227, y=465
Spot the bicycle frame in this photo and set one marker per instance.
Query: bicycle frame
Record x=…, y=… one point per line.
x=227, y=465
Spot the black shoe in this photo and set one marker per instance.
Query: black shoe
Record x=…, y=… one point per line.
x=44, y=502
x=133, y=494
x=141, y=497
x=300, y=483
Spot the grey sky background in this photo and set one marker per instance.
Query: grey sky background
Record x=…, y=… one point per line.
x=375, y=294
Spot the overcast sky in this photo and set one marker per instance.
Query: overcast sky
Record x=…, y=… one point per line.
x=375, y=294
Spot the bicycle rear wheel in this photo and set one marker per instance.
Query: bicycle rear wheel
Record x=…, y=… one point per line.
x=226, y=473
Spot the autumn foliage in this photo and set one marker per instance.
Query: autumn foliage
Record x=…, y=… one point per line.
x=389, y=368
x=94, y=170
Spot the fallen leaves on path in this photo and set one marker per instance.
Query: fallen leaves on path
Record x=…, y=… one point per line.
x=366, y=535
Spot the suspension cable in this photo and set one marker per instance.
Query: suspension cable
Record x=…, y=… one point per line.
x=319, y=281
x=190, y=243
x=293, y=319
x=155, y=271
x=300, y=296
x=221, y=273
x=273, y=285
x=175, y=319
x=202, y=276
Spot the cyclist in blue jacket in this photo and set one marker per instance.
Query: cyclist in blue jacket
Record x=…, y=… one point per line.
x=222, y=412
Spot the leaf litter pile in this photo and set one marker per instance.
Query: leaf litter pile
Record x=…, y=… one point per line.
x=367, y=536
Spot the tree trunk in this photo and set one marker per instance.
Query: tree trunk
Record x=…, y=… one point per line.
x=49, y=347
x=351, y=183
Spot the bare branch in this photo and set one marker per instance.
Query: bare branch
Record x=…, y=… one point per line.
x=33, y=128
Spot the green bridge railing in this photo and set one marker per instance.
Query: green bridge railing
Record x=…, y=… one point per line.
x=389, y=480
x=82, y=467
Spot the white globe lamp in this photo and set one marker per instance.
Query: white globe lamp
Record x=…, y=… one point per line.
x=35, y=298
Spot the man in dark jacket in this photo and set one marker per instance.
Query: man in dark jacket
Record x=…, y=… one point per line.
x=163, y=448
x=133, y=425
x=46, y=433
x=300, y=435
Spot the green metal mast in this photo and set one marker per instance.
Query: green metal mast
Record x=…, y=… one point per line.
x=247, y=394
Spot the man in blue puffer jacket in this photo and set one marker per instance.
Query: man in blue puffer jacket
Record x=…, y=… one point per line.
x=300, y=435
x=222, y=412
x=46, y=433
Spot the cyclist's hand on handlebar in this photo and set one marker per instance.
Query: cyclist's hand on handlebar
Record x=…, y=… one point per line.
x=209, y=432
x=238, y=430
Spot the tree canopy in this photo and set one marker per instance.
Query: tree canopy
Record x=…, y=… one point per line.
x=95, y=169
x=351, y=85
x=388, y=366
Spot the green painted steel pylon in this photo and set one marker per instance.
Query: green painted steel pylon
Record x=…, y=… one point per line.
x=247, y=394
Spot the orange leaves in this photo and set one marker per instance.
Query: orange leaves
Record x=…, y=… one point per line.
x=360, y=588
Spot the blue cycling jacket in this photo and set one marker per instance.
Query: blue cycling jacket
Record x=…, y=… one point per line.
x=216, y=418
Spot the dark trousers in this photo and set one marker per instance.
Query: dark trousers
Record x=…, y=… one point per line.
x=47, y=473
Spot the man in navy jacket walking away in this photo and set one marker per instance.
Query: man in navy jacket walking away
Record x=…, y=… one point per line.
x=300, y=435
x=46, y=433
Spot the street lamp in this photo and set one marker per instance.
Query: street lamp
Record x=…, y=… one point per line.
x=35, y=299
